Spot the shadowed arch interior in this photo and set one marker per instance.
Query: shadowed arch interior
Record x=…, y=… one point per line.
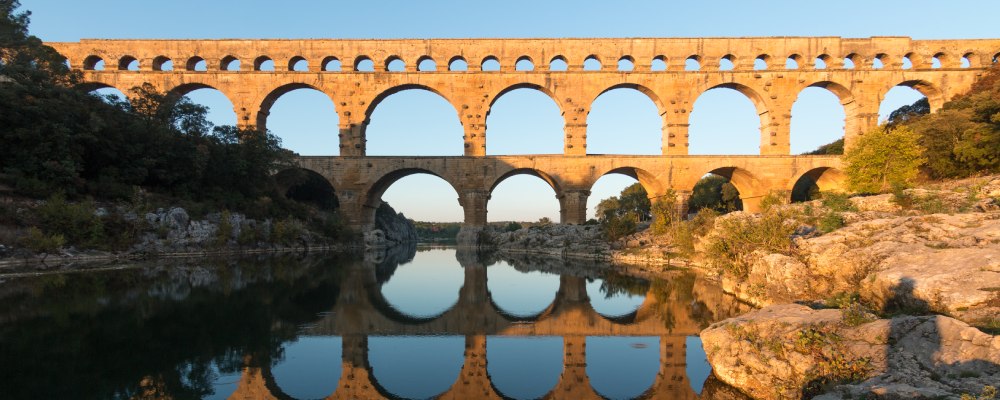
x=817, y=180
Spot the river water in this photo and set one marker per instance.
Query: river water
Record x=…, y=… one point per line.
x=413, y=322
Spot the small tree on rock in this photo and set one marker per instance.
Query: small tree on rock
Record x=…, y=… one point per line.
x=883, y=159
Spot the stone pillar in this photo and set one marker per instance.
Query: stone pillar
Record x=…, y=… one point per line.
x=575, y=143
x=574, y=382
x=474, y=291
x=473, y=203
x=473, y=381
x=681, y=199
x=573, y=206
x=775, y=128
x=860, y=118
x=475, y=139
x=751, y=203
x=572, y=289
x=352, y=139
x=675, y=132
x=672, y=381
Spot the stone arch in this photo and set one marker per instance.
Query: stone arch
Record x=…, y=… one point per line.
x=125, y=62
x=934, y=95
x=552, y=182
x=512, y=317
x=658, y=63
x=794, y=58
x=91, y=63
x=295, y=60
x=307, y=185
x=453, y=64
x=411, y=86
x=193, y=62
x=765, y=61
x=626, y=67
x=426, y=64
x=160, y=62
x=825, y=59
x=759, y=103
x=851, y=61
x=594, y=58
x=824, y=179
x=525, y=58
x=942, y=60
x=847, y=101
x=393, y=59
x=973, y=59
x=373, y=195
x=325, y=64
x=265, y=105
x=648, y=180
x=879, y=61
x=562, y=60
x=693, y=63
x=482, y=64
x=649, y=93
x=259, y=62
x=226, y=64
x=746, y=184
x=526, y=85
x=730, y=59
x=360, y=59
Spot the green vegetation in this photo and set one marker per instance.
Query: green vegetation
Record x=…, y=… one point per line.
x=833, y=148
x=619, y=215
x=884, y=158
x=737, y=241
x=714, y=192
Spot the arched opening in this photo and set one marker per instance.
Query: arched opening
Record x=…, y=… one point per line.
x=426, y=64
x=520, y=295
x=310, y=368
x=419, y=195
x=879, y=61
x=308, y=187
x=523, y=195
x=793, y=61
x=692, y=63
x=229, y=63
x=458, y=64
x=821, y=61
x=818, y=117
x=907, y=62
x=905, y=94
x=524, y=120
x=364, y=64
x=197, y=64
x=491, y=63
x=760, y=63
x=558, y=63
x=614, y=379
x=220, y=108
x=966, y=61
x=629, y=185
x=849, y=61
x=413, y=121
x=128, y=63
x=304, y=118
x=109, y=94
x=726, y=63
x=416, y=367
x=626, y=63
x=721, y=190
x=263, y=63
x=395, y=64
x=624, y=120
x=524, y=64
x=617, y=297
x=93, y=63
x=714, y=192
x=591, y=63
x=162, y=63
x=331, y=64
x=817, y=181
x=515, y=377
x=298, y=64
x=996, y=58
x=659, y=63
x=724, y=120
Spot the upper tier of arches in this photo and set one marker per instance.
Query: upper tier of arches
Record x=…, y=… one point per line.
x=544, y=55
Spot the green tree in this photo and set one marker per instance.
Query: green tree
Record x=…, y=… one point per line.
x=835, y=147
x=715, y=193
x=884, y=158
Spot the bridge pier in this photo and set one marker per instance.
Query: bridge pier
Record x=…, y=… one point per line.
x=474, y=206
x=573, y=206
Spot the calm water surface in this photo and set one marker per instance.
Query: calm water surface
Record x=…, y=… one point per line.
x=410, y=323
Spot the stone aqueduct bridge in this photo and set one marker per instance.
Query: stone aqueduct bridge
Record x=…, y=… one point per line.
x=939, y=69
x=361, y=311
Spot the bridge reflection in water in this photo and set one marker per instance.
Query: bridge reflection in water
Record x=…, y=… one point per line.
x=368, y=326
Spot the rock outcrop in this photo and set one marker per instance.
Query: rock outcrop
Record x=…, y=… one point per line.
x=792, y=351
x=558, y=240
x=391, y=228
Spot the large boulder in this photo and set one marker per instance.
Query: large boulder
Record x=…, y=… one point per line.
x=792, y=351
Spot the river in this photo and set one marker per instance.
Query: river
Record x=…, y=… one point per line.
x=413, y=322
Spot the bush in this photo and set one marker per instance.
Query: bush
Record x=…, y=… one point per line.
x=76, y=222
x=839, y=202
x=286, y=231
x=664, y=211
x=884, y=158
x=733, y=248
x=39, y=242
x=830, y=222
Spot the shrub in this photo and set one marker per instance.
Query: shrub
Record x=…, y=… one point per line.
x=39, y=242
x=225, y=230
x=664, y=211
x=75, y=222
x=883, y=158
x=733, y=248
x=286, y=231
x=836, y=201
x=830, y=222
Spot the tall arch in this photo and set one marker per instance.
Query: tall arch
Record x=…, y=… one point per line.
x=521, y=199
x=818, y=111
x=740, y=132
x=413, y=120
x=221, y=110
x=626, y=119
x=933, y=94
x=373, y=196
x=319, y=136
x=527, y=118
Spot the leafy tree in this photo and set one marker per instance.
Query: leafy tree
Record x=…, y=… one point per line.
x=884, y=158
x=905, y=114
x=715, y=193
x=833, y=148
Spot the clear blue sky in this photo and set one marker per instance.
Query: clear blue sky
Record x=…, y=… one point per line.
x=522, y=122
